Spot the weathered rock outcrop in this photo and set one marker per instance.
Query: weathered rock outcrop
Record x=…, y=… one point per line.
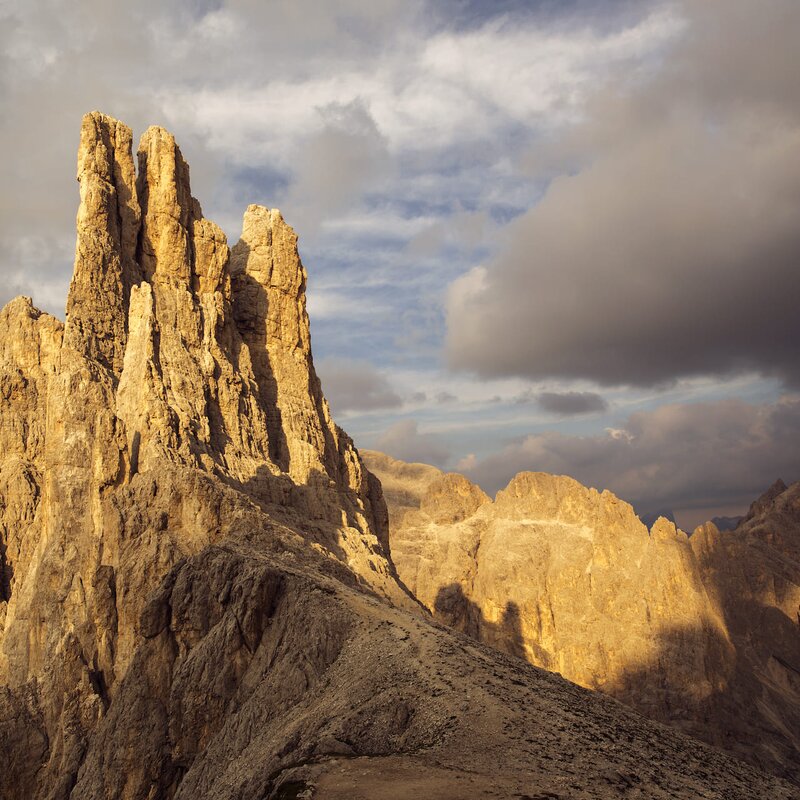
x=701, y=633
x=154, y=374
x=196, y=593
x=154, y=386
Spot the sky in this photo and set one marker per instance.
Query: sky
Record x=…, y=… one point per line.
x=558, y=236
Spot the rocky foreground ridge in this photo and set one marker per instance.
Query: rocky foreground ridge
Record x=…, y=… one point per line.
x=197, y=597
x=700, y=632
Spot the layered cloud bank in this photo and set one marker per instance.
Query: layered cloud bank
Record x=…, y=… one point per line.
x=668, y=244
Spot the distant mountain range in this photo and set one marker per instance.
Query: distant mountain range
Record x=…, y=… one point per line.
x=726, y=523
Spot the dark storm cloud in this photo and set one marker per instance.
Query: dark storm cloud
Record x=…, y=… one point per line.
x=353, y=385
x=570, y=403
x=562, y=403
x=698, y=455
x=670, y=245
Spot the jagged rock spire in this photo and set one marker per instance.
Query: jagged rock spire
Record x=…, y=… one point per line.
x=269, y=283
x=155, y=422
x=105, y=254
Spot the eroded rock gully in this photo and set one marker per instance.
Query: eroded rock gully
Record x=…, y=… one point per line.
x=196, y=592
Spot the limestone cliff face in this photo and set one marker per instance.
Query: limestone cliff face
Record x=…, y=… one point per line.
x=571, y=580
x=166, y=370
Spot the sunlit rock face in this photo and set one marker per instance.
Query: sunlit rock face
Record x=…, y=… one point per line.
x=175, y=362
x=699, y=632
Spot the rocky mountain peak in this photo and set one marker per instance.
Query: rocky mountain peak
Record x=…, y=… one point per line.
x=177, y=357
x=764, y=502
x=207, y=351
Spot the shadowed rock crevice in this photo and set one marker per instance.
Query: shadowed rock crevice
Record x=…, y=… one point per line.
x=6, y=575
x=6, y=569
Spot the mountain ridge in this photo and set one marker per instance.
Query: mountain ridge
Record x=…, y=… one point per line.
x=679, y=628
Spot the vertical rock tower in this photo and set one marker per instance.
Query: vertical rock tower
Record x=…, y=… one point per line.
x=178, y=400
x=208, y=355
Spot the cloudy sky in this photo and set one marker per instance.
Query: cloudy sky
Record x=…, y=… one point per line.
x=561, y=236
